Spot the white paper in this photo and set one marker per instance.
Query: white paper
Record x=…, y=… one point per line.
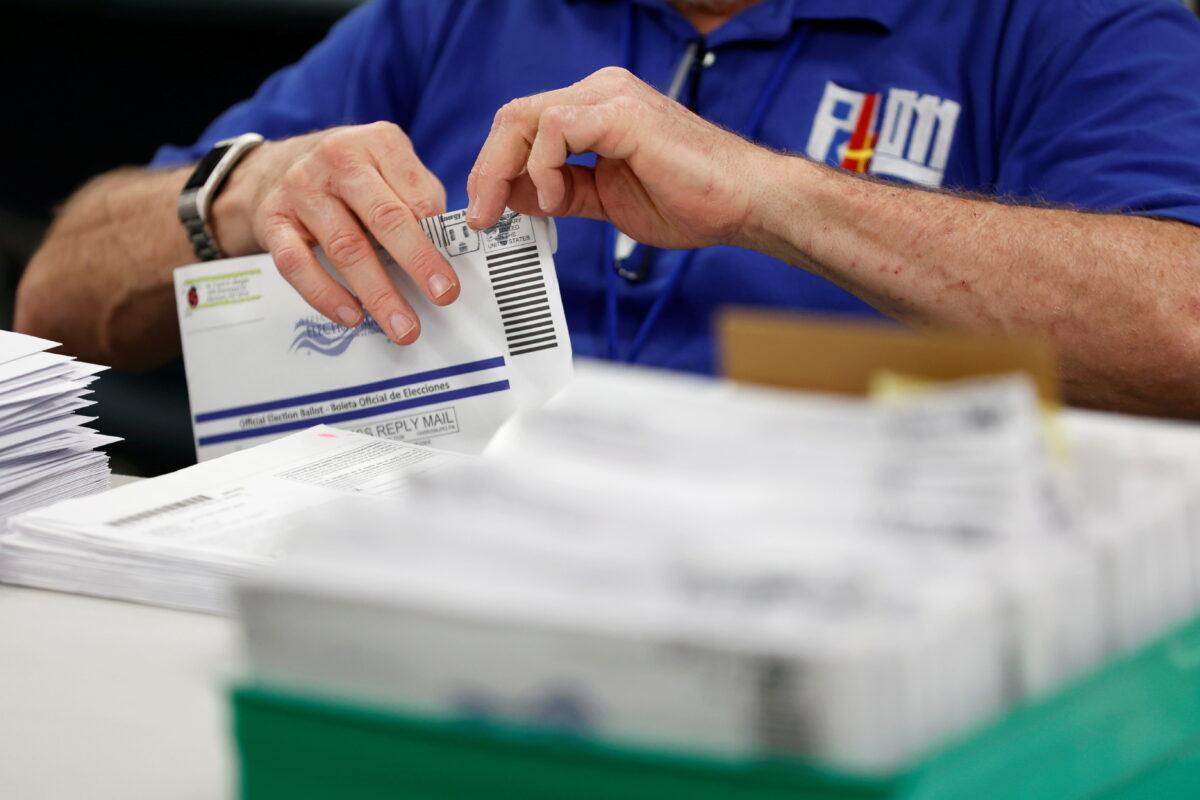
x=36, y=363
x=18, y=345
x=75, y=440
x=53, y=387
x=41, y=411
x=261, y=363
x=173, y=540
x=839, y=566
x=673, y=561
x=27, y=433
x=45, y=452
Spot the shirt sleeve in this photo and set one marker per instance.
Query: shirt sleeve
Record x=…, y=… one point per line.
x=368, y=68
x=1104, y=109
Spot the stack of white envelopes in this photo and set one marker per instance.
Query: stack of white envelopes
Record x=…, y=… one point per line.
x=47, y=452
x=177, y=540
x=681, y=563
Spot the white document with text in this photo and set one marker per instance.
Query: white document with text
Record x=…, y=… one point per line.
x=261, y=363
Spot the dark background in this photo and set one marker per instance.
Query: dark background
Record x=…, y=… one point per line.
x=92, y=85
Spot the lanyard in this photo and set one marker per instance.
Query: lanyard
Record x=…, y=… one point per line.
x=613, y=275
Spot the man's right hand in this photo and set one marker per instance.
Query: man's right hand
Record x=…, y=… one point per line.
x=329, y=189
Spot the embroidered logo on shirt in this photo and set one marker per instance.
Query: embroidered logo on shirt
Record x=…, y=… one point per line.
x=906, y=135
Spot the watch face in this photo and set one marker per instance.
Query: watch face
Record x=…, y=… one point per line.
x=206, y=166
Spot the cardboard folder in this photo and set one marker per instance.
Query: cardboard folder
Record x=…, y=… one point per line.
x=835, y=355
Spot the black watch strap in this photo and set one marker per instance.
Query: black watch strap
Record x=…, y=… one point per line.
x=201, y=189
x=203, y=242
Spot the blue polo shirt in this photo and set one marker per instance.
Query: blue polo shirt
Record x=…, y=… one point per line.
x=1093, y=104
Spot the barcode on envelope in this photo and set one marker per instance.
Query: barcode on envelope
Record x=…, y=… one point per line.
x=520, y=289
x=158, y=511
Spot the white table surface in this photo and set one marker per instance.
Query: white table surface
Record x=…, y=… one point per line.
x=103, y=699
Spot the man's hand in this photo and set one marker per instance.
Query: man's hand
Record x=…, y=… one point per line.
x=330, y=189
x=663, y=175
x=1117, y=295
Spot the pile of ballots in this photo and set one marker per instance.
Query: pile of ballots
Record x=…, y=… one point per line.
x=47, y=452
x=687, y=564
x=178, y=539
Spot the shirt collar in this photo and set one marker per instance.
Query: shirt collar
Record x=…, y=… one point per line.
x=770, y=20
x=885, y=13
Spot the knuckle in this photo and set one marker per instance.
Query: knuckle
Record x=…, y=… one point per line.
x=347, y=180
x=382, y=127
x=411, y=178
x=607, y=73
x=377, y=297
x=540, y=159
x=290, y=261
x=347, y=248
x=272, y=212
x=617, y=77
x=319, y=296
x=387, y=132
x=388, y=216
x=511, y=111
x=590, y=89
x=296, y=177
x=625, y=105
x=337, y=151
x=423, y=263
x=422, y=208
x=555, y=118
x=329, y=144
x=266, y=230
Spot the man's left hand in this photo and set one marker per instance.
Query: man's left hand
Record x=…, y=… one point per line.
x=663, y=175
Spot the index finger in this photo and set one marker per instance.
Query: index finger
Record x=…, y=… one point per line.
x=503, y=155
x=394, y=226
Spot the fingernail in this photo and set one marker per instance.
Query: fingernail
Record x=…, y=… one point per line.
x=348, y=316
x=402, y=325
x=473, y=208
x=542, y=201
x=439, y=285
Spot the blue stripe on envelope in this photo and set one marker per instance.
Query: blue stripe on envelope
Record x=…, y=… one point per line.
x=350, y=391
x=346, y=416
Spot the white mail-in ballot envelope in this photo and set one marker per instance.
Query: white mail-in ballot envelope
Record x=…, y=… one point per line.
x=262, y=363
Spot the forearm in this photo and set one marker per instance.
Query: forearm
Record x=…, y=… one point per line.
x=1118, y=296
x=101, y=282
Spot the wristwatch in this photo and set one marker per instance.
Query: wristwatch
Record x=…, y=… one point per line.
x=196, y=199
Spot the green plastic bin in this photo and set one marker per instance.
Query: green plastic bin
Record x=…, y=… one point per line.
x=1129, y=730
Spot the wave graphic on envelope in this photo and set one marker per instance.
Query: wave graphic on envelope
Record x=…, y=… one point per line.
x=261, y=363
x=327, y=338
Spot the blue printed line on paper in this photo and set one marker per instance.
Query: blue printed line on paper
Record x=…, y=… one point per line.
x=346, y=416
x=350, y=391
